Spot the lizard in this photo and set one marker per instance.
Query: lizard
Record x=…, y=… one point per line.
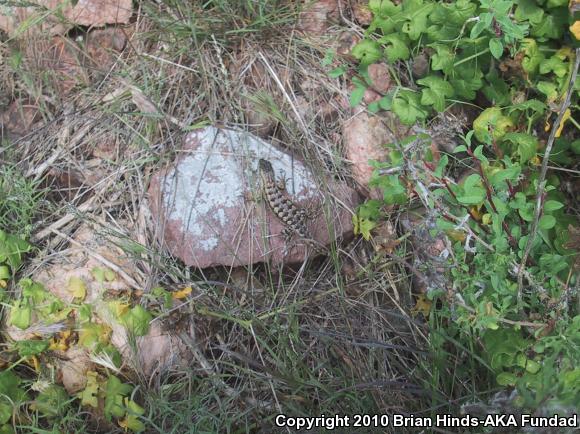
x=292, y=215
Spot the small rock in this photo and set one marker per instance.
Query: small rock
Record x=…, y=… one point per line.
x=58, y=61
x=202, y=202
x=48, y=15
x=346, y=42
x=317, y=16
x=420, y=65
x=362, y=13
x=380, y=77
x=364, y=137
x=101, y=48
x=20, y=117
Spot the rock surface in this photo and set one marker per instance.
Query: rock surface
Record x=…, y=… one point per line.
x=318, y=16
x=208, y=209
x=157, y=351
x=64, y=15
x=365, y=137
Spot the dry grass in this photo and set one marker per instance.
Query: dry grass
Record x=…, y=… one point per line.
x=301, y=342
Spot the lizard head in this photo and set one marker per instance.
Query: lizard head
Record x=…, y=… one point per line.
x=265, y=166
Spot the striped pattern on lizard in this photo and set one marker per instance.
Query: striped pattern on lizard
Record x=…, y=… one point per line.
x=293, y=217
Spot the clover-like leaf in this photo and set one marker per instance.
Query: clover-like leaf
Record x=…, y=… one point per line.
x=442, y=59
x=533, y=57
x=466, y=82
x=407, y=106
x=384, y=8
x=89, y=395
x=554, y=64
x=491, y=120
x=115, y=391
x=473, y=192
x=367, y=51
x=51, y=401
x=31, y=347
x=526, y=145
x=20, y=314
x=396, y=47
x=437, y=89
x=137, y=320
x=132, y=421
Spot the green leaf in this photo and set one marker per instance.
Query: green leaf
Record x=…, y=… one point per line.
x=533, y=57
x=363, y=226
x=89, y=394
x=455, y=13
x=556, y=3
x=373, y=107
x=547, y=222
x=441, y=166
x=552, y=205
x=473, y=192
x=483, y=24
x=367, y=51
x=384, y=8
x=496, y=90
x=5, y=272
x=114, y=393
x=506, y=379
x=132, y=421
x=551, y=26
x=93, y=336
x=407, y=107
x=357, y=95
x=337, y=72
x=12, y=249
x=527, y=212
x=394, y=192
x=30, y=348
x=20, y=314
x=416, y=16
x=554, y=64
x=328, y=57
x=395, y=47
x=467, y=82
x=498, y=177
x=386, y=102
x=491, y=119
x=496, y=48
x=137, y=320
x=526, y=145
x=10, y=387
x=549, y=89
x=442, y=59
x=528, y=10
x=478, y=153
x=51, y=401
x=437, y=89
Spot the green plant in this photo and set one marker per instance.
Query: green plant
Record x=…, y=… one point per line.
x=509, y=292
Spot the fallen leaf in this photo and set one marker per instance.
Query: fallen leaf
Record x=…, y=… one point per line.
x=422, y=306
x=566, y=116
x=183, y=293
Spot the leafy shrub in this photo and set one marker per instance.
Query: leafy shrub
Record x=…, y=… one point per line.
x=510, y=296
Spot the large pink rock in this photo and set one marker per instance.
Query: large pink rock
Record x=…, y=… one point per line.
x=209, y=212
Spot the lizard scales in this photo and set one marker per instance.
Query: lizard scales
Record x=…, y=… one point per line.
x=293, y=217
